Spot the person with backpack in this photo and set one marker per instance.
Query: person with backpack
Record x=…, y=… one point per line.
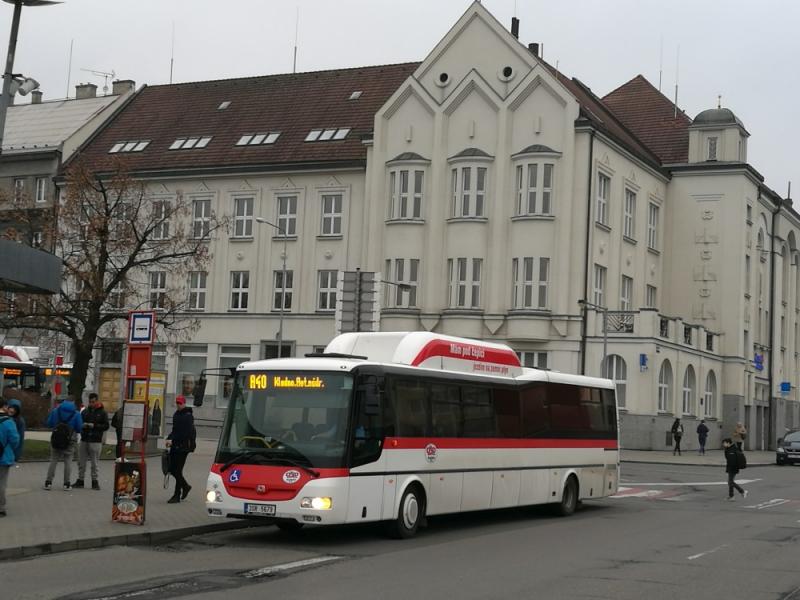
x=14, y=409
x=677, y=435
x=95, y=424
x=9, y=442
x=66, y=423
x=181, y=441
x=734, y=462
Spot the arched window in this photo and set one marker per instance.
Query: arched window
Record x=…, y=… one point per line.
x=665, y=387
x=689, y=391
x=616, y=370
x=710, y=395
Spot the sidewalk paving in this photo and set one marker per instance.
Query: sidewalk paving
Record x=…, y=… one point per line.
x=42, y=522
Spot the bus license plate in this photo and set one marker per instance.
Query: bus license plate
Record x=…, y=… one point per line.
x=259, y=509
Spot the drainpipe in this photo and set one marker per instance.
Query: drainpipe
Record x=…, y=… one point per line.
x=772, y=415
x=584, y=323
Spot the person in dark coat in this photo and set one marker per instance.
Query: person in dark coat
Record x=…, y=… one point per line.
x=702, y=436
x=95, y=425
x=732, y=468
x=180, y=442
x=677, y=435
x=116, y=423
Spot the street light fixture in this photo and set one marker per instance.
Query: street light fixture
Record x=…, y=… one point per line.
x=28, y=84
x=283, y=233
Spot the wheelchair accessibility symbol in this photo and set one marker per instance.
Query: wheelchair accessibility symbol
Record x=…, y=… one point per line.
x=235, y=475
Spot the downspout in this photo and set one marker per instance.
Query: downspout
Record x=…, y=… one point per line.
x=584, y=323
x=772, y=415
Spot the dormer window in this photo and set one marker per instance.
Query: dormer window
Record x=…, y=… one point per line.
x=258, y=139
x=712, y=148
x=325, y=135
x=190, y=142
x=137, y=146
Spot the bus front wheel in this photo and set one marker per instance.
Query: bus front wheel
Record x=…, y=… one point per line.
x=569, y=498
x=409, y=515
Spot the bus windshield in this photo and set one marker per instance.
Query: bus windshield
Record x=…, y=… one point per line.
x=285, y=417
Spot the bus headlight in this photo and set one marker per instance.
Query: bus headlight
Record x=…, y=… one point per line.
x=213, y=496
x=317, y=503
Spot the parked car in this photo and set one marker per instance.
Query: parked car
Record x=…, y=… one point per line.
x=788, y=449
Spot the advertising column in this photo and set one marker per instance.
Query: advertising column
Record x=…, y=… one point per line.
x=130, y=473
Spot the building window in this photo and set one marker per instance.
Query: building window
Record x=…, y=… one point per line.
x=137, y=146
x=158, y=289
x=534, y=189
x=240, y=289
x=469, y=191
x=327, y=290
x=603, y=192
x=651, y=297
x=283, y=290
x=405, y=271
x=257, y=139
x=190, y=142
x=160, y=219
x=599, y=290
x=616, y=370
x=287, y=215
x=19, y=188
x=116, y=297
x=749, y=214
x=687, y=334
x=243, y=217
x=405, y=194
x=531, y=279
x=326, y=135
x=331, y=214
x=689, y=391
x=534, y=360
x=41, y=189
x=663, y=327
x=747, y=274
x=229, y=357
x=665, y=387
x=712, y=148
x=629, y=221
x=464, y=275
x=626, y=293
x=652, y=226
x=197, y=290
x=710, y=342
x=201, y=218
x=710, y=395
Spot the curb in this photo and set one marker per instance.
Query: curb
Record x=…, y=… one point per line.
x=149, y=538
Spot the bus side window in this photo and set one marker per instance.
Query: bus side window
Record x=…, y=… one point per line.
x=476, y=403
x=411, y=405
x=446, y=416
x=507, y=409
x=535, y=422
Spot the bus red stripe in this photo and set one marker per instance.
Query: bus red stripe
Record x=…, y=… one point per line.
x=442, y=348
x=499, y=443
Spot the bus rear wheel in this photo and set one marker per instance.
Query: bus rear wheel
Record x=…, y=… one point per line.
x=569, y=498
x=409, y=515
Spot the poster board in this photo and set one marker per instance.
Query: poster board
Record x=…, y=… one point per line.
x=129, y=492
x=155, y=403
x=134, y=420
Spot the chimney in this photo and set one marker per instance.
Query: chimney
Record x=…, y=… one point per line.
x=534, y=48
x=122, y=86
x=515, y=27
x=85, y=90
x=36, y=97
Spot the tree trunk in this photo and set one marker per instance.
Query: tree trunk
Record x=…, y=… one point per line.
x=83, y=353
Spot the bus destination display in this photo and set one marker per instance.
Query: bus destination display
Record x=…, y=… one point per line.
x=264, y=381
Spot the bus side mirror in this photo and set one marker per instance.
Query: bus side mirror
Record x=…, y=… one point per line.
x=199, y=390
x=372, y=400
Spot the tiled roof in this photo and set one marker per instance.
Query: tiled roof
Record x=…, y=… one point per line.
x=292, y=104
x=45, y=126
x=651, y=116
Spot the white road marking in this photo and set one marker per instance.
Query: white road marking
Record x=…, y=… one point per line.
x=769, y=504
x=744, y=481
x=267, y=571
x=694, y=556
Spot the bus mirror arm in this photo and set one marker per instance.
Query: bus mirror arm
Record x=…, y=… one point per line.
x=199, y=390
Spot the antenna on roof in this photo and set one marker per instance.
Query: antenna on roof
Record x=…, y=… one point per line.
x=719, y=100
x=660, y=63
x=105, y=77
x=172, y=53
x=296, y=29
x=677, y=72
x=69, y=66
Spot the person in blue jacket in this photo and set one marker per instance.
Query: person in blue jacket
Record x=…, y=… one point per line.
x=15, y=412
x=66, y=423
x=9, y=440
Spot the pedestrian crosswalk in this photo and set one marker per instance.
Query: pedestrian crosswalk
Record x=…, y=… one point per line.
x=671, y=491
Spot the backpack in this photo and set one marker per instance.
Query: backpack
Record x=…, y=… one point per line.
x=741, y=460
x=61, y=437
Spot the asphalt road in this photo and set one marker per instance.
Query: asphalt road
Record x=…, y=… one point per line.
x=670, y=534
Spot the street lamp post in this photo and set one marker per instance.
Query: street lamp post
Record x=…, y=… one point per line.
x=282, y=231
x=586, y=304
x=8, y=74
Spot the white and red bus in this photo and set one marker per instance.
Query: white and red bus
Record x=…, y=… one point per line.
x=398, y=426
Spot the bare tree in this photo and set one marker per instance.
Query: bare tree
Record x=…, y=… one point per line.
x=122, y=249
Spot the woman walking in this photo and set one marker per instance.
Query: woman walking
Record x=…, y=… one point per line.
x=677, y=434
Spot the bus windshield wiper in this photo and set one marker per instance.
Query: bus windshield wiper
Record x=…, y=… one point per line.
x=288, y=461
x=239, y=456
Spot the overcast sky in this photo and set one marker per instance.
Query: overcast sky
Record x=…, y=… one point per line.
x=745, y=50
